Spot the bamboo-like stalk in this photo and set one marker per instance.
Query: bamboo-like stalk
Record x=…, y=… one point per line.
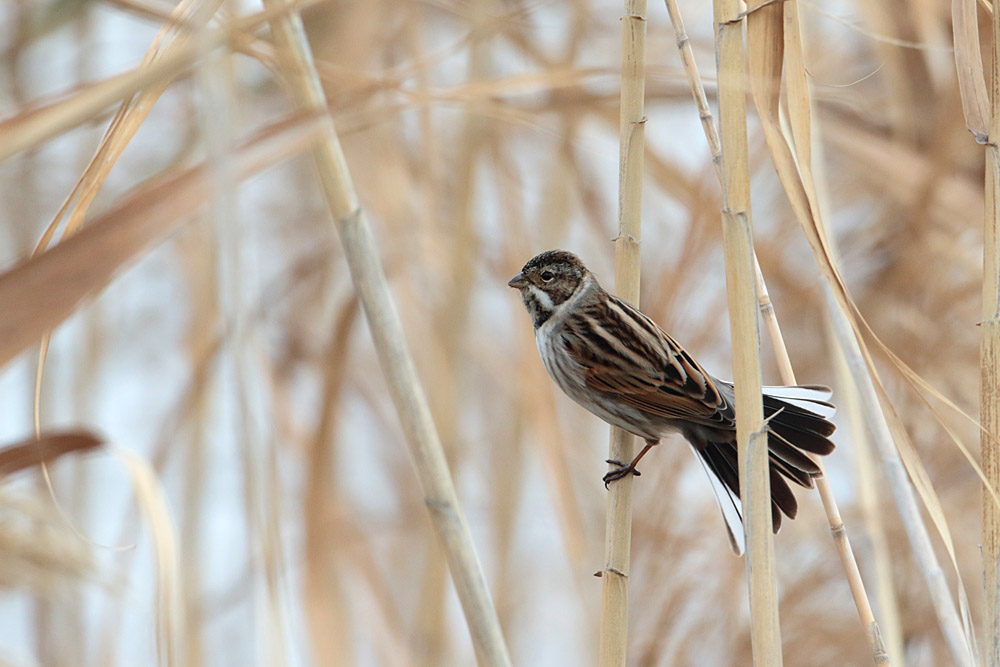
x=755, y=487
x=765, y=30
x=697, y=86
x=632, y=137
x=989, y=355
x=387, y=333
x=869, y=492
x=837, y=528
x=902, y=490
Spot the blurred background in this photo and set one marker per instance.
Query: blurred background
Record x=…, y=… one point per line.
x=233, y=359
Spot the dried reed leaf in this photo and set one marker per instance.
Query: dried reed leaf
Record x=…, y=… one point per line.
x=171, y=38
x=33, y=127
x=796, y=84
x=149, y=493
x=969, y=68
x=41, y=292
x=39, y=555
x=764, y=26
x=798, y=100
x=47, y=448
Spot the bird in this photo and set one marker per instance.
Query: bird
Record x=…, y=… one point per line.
x=624, y=368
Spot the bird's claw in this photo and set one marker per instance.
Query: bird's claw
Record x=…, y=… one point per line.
x=619, y=472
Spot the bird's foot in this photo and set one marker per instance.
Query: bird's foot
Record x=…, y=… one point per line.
x=619, y=472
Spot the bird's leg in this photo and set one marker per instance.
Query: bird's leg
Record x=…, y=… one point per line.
x=624, y=469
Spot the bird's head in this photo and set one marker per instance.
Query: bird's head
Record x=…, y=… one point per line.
x=548, y=280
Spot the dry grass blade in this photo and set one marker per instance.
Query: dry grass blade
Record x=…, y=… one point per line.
x=38, y=294
x=44, y=449
x=764, y=25
x=36, y=126
x=631, y=133
x=387, y=332
x=789, y=48
x=33, y=127
x=149, y=493
x=171, y=38
x=969, y=68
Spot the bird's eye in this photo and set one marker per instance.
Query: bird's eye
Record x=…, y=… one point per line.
x=547, y=276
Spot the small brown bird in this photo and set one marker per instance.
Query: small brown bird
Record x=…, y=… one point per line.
x=621, y=366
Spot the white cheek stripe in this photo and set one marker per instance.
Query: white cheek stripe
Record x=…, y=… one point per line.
x=544, y=300
x=562, y=310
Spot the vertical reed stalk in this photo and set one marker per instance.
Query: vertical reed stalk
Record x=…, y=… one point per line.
x=869, y=499
x=990, y=362
x=390, y=344
x=755, y=488
x=901, y=488
x=632, y=137
x=837, y=527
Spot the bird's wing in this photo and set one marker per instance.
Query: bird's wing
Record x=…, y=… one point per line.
x=626, y=356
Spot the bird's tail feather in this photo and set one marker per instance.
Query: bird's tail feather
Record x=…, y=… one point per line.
x=798, y=422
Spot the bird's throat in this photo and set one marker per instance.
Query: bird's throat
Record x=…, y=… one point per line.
x=538, y=303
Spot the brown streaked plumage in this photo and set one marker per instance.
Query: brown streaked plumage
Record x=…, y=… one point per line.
x=621, y=366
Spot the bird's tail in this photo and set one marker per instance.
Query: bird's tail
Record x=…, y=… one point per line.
x=798, y=421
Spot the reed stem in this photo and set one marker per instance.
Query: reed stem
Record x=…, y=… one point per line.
x=632, y=134
x=755, y=487
x=989, y=359
x=386, y=328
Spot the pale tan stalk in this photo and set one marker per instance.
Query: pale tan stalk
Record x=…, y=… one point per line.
x=755, y=487
x=430, y=640
x=902, y=490
x=697, y=87
x=969, y=68
x=387, y=332
x=632, y=136
x=869, y=492
x=989, y=354
x=837, y=527
x=767, y=26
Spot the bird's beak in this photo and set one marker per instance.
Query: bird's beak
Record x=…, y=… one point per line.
x=518, y=281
